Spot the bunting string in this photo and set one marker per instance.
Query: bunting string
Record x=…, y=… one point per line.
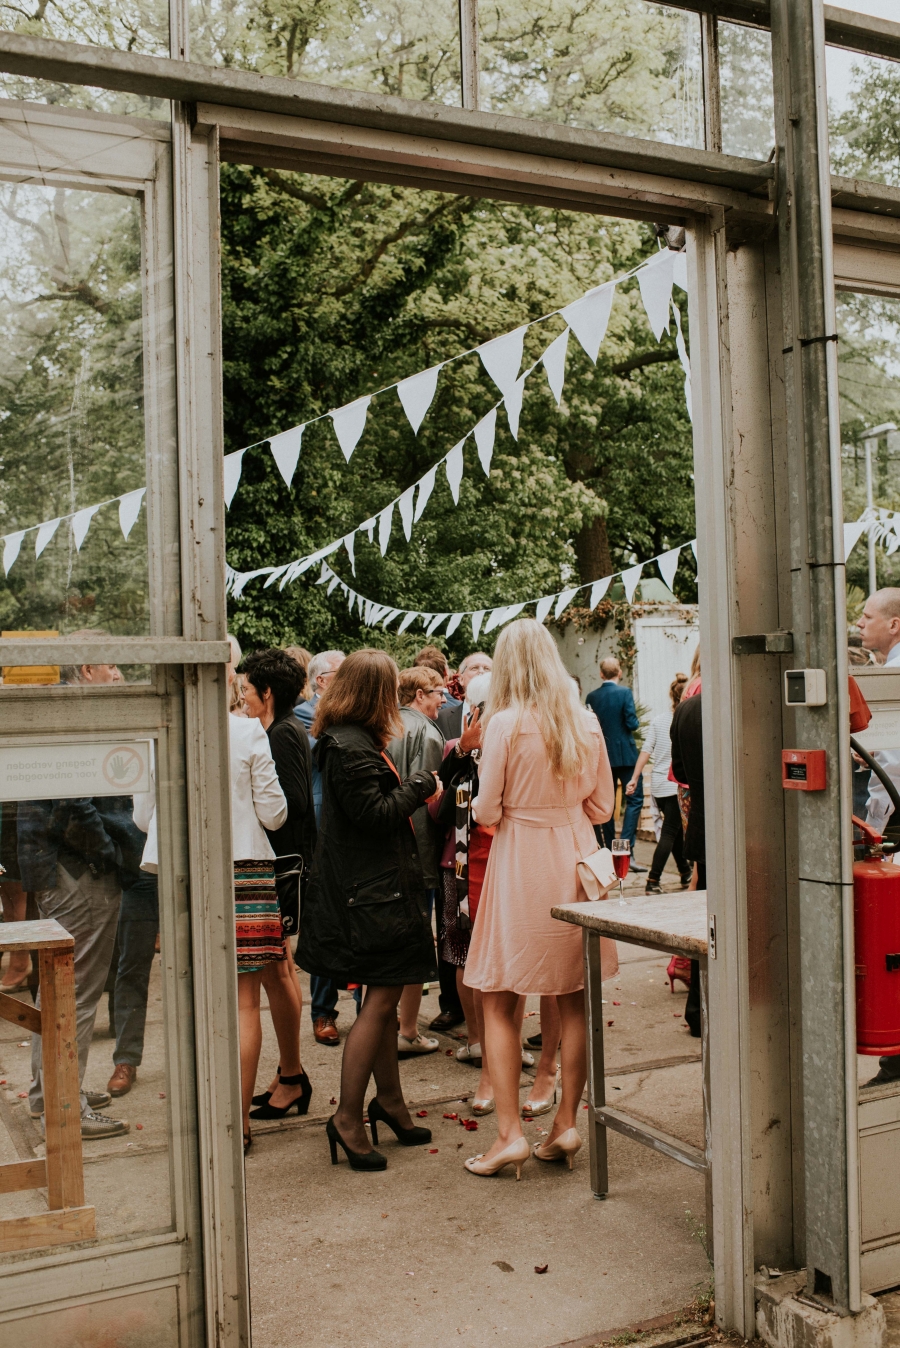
x=80, y=521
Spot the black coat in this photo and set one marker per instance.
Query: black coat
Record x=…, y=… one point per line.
x=364, y=918
x=687, y=766
x=289, y=743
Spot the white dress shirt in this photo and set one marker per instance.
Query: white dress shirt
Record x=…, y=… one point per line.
x=878, y=806
x=257, y=800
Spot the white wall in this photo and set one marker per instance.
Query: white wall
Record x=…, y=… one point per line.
x=665, y=647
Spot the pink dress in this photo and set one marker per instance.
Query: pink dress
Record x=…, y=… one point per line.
x=516, y=945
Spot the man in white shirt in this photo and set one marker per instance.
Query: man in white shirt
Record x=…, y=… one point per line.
x=880, y=629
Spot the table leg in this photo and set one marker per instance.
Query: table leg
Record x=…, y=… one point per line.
x=62, y=1104
x=707, y=1125
x=596, y=1082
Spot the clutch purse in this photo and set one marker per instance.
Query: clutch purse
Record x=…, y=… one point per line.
x=596, y=871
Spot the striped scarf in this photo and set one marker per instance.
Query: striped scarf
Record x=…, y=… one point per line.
x=463, y=826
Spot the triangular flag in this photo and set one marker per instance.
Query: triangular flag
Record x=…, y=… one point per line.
x=477, y=620
x=11, y=545
x=852, y=534
x=694, y=548
x=279, y=571
x=683, y=357
x=351, y=599
x=435, y=623
x=426, y=487
x=389, y=618
x=324, y=574
x=513, y=611
x=565, y=600
x=588, y=317
x=455, y=620
x=454, y=466
x=630, y=580
x=679, y=269
x=495, y=617
x=350, y=545
x=367, y=612
x=405, y=506
x=384, y=527
x=407, y=621
x=484, y=433
x=81, y=522
x=598, y=590
x=655, y=281
x=129, y=509
x=45, y=533
x=554, y=359
x=349, y=424
x=513, y=404
x=286, y=451
x=668, y=565
x=232, y=474
x=416, y=395
x=502, y=358
x=543, y=607
x=368, y=526
x=335, y=580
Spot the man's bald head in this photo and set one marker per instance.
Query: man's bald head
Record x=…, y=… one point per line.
x=880, y=621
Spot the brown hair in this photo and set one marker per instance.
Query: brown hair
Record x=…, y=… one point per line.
x=432, y=658
x=676, y=688
x=411, y=680
x=303, y=657
x=363, y=692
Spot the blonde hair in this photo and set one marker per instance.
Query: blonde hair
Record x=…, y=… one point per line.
x=528, y=675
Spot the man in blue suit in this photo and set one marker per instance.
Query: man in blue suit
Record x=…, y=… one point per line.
x=614, y=708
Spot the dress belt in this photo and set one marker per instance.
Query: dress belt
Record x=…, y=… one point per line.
x=545, y=816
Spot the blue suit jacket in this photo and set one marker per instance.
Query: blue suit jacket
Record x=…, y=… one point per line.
x=614, y=708
x=305, y=713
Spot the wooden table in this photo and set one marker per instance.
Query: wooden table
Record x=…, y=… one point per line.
x=675, y=924
x=62, y=1173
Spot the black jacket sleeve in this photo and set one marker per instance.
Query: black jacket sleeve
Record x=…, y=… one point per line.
x=368, y=791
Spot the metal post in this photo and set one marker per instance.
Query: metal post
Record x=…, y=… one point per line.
x=824, y=919
x=870, y=505
x=468, y=52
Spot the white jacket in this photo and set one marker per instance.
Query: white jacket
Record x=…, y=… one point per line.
x=257, y=800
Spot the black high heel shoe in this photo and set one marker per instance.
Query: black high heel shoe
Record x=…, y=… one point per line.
x=359, y=1160
x=407, y=1137
x=301, y=1104
x=265, y=1096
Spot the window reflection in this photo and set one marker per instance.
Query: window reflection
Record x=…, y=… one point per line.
x=863, y=114
x=747, y=96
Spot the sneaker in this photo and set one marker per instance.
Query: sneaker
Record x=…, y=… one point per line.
x=652, y=887
x=95, y=1100
x=418, y=1045
x=101, y=1125
x=686, y=878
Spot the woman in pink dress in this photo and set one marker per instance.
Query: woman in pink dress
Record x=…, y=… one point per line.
x=544, y=781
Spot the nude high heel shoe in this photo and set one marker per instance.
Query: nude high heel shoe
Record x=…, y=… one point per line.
x=532, y=1108
x=565, y=1148
x=516, y=1154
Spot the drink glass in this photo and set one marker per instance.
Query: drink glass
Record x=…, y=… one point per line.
x=621, y=855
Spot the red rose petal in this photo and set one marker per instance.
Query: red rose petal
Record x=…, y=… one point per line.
x=139, y=1126
x=617, y=1003
x=333, y=1101
x=541, y=1268
x=23, y=1095
x=610, y=1022
x=421, y=1113
x=449, y=1052
x=451, y=1116
x=432, y=1151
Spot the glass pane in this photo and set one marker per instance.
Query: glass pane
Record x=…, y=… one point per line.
x=397, y=47
x=72, y=512
x=79, y=861
x=630, y=67
x=863, y=103
x=747, y=96
x=879, y=9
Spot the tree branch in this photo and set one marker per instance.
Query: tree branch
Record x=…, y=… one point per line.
x=646, y=358
x=291, y=189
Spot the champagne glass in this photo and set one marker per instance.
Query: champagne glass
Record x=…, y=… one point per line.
x=621, y=855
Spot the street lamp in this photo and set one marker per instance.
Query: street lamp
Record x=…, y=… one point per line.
x=870, y=440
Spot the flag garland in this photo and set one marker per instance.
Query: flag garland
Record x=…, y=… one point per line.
x=79, y=521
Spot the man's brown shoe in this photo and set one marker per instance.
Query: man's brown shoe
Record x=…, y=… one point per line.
x=325, y=1031
x=122, y=1079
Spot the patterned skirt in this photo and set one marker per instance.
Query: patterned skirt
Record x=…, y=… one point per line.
x=257, y=916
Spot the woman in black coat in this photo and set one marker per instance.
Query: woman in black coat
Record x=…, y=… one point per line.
x=364, y=917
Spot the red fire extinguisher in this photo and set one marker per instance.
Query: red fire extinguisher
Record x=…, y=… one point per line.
x=876, y=925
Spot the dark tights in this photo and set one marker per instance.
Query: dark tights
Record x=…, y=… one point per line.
x=371, y=1049
x=671, y=838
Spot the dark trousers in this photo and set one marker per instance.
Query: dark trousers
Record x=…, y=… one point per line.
x=671, y=838
x=323, y=998
x=633, y=807
x=138, y=926
x=692, y=1010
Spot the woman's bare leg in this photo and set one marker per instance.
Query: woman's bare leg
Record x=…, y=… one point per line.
x=410, y=1001
x=503, y=1040
x=14, y=904
x=574, y=1061
x=545, y=1072
x=251, y=1037
x=282, y=987
x=371, y=1046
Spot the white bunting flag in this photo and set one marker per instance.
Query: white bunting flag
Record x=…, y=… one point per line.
x=565, y=600
x=389, y=618
x=325, y=574
x=694, y=548
x=367, y=612
x=426, y=487
x=417, y=394
x=493, y=619
x=502, y=358
x=543, y=607
x=232, y=474
x=81, y=522
x=454, y=466
x=129, y=509
x=513, y=611
x=405, y=506
x=410, y=618
x=554, y=359
x=435, y=623
x=598, y=590
x=44, y=535
x=277, y=571
x=351, y=599
x=630, y=580
x=368, y=526
x=852, y=534
x=485, y=432
x=513, y=405
x=477, y=620
x=335, y=580
x=683, y=357
x=588, y=317
x=11, y=545
x=655, y=281
x=349, y=542
x=679, y=269
x=384, y=527
x=349, y=424
x=455, y=620
x=360, y=604
x=286, y=451
x=668, y=565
